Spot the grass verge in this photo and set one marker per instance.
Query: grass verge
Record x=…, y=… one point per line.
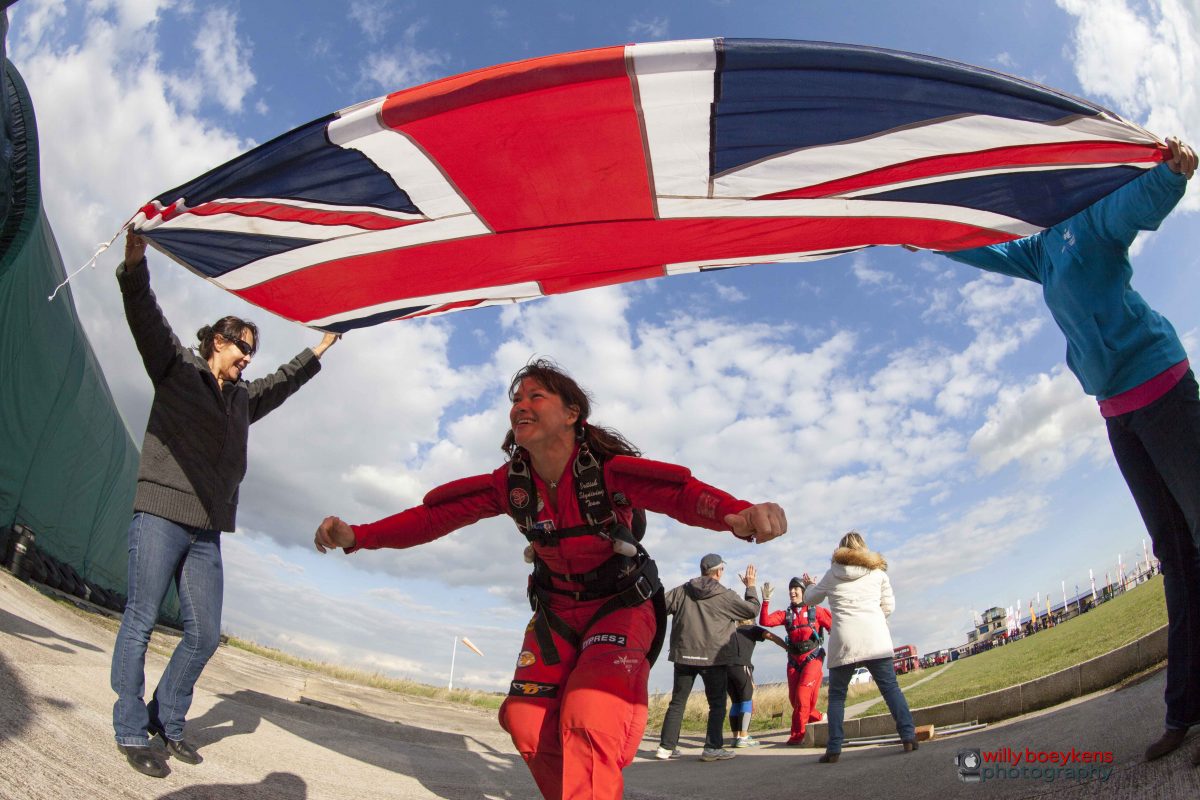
x=1110, y=625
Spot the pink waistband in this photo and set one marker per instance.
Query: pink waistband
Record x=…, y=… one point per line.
x=1144, y=394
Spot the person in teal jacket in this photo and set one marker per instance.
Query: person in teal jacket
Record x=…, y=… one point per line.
x=1129, y=357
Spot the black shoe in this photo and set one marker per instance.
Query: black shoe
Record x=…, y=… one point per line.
x=183, y=751
x=909, y=745
x=178, y=749
x=1168, y=742
x=145, y=760
x=829, y=758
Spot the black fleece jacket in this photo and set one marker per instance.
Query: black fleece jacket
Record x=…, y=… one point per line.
x=194, y=451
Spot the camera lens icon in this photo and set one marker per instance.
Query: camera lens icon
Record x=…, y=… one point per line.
x=969, y=764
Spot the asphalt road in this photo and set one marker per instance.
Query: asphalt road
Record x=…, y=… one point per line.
x=272, y=732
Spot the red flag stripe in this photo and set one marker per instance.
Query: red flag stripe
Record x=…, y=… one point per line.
x=310, y=216
x=581, y=256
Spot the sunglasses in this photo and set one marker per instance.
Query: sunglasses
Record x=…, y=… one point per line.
x=241, y=344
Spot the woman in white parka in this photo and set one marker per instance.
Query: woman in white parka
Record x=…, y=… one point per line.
x=860, y=599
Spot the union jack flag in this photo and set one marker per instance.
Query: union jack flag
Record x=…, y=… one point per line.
x=623, y=163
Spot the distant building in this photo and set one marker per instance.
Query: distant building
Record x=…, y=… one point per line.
x=993, y=624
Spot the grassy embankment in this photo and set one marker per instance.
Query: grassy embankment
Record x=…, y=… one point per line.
x=1101, y=630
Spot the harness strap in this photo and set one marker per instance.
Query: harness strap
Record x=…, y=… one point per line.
x=644, y=586
x=542, y=533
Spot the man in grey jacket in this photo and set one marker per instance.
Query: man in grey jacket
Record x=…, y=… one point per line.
x=705, y=616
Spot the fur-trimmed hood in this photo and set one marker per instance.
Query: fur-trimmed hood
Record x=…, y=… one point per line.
x=866, y=560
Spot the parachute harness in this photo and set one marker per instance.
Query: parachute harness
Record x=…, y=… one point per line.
x=628, y=578
x=809, y=648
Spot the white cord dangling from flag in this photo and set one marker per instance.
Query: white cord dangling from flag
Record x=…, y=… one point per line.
x=100, y=248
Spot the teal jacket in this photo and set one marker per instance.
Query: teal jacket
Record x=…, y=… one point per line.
x=1115, y=341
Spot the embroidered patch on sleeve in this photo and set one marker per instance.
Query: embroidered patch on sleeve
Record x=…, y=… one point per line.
x=706, y=505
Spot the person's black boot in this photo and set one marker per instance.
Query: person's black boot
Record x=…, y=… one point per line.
x=145, y=760
x=1167, y=743
x=177, y=749
x=183, y=751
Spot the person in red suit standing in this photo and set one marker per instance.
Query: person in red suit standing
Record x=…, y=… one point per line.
x=806, y=656
x=576, y=707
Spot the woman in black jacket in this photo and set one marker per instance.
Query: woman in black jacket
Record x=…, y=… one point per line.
x=193, y=460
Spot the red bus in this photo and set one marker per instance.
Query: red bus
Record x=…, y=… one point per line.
x=904, y=659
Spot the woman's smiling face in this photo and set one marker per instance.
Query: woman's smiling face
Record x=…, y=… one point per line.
x=539, y=417
x=230, y=358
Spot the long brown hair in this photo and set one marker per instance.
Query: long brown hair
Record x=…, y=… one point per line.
x=603, y=442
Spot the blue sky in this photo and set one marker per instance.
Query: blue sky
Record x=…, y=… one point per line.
x=918, y=401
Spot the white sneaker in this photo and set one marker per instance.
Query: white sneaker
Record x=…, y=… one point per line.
x=745, y=741
x=662, y=754
x=716, y=754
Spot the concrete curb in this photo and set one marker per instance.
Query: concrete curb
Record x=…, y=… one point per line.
x=1091, y=676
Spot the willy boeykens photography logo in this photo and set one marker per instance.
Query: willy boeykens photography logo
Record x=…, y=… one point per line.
x=969, y=763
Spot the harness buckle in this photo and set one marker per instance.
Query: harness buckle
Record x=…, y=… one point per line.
x=648, y=591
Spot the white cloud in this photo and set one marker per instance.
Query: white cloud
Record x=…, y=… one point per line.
x=372, y=17
x=729, y=294
x=224, y=59
x=1143, y=59
x=403, y=66
x=653, y=28
x=867, y=275
x=499, y=16
x=1045, y=425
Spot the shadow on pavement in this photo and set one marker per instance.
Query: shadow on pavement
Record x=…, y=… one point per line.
x=461, y=765
x=32, y=632
x=276, y=786
x=14, y=703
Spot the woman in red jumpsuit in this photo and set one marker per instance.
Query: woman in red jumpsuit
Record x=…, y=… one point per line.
x=576, y=708
x=805, y=662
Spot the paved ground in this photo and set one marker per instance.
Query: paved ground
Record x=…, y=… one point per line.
x=272, y=732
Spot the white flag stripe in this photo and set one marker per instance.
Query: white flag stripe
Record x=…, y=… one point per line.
x=684, y=267
x=675, y=93
x=269, y=267
x=970, y=134
x=494, y=294
x=841, y=208
x=400, y=157
x=998, y=171
x=259, y=226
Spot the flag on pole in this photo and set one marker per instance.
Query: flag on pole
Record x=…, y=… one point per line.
x=467, y=642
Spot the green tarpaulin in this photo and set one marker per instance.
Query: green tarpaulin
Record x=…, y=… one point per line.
x=67, y=462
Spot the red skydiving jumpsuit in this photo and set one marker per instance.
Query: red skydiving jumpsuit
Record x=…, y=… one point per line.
x=576, y=723
x=804, y=681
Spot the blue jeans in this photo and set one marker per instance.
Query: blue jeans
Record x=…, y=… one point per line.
x=1158, y=451
x=161, y=551
x=715, y=681
x=885, y=678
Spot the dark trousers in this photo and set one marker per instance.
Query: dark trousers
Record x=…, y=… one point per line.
x=1158, y=451
x=714, y=679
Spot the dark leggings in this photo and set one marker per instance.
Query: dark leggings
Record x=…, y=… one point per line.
x=740, y=683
